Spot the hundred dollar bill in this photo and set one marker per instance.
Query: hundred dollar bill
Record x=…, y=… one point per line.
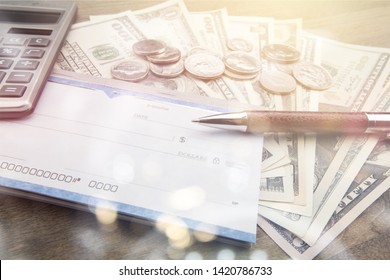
x=212, y=30
x=347, y=157
x=333, y=184
x=359, y=74
x=376, y=87
x=347, y=160
x=369, y=184
x=169, y=22
x=86, y=52
x=335, y=180
x=364, y=80
x=371, y=88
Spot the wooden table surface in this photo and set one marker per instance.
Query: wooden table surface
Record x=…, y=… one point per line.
x=37, y=230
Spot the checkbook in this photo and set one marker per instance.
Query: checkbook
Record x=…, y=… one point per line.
x=106, y=144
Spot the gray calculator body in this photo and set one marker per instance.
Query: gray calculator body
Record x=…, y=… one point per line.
x=31, y=36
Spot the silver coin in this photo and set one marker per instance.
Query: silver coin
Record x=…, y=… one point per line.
x=312, y=76
x=168, y=70
x=284, y=67
x=170, y=55
x=239, y=44
x=281, y=53
x=133, y=70
x=149, y=47
x=277, y=82
x=204, y=66
x=201, y=50
x=181, y=84
x=240, y=77
x=242, y=63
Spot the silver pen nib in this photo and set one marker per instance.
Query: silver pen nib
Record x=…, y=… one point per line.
x=230, y=121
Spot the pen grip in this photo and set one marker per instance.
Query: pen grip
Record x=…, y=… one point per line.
x=304, y=122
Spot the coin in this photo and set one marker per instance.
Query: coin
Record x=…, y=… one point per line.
x=236, y=76
x=284, y=67
x=168, y=70
x=239, y=44
x=201, y=50
x=133, y=70
x=204, y=66
x=277, y=82
x=281, y=53
x=242, y=63
x=312, y=76
x=170, y=55
x=149, y=47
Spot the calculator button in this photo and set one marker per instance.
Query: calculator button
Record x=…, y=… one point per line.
x=2, y=75
x=19, y=77
x=39, y=42
x=14, y=41
x=33, y=53
x=26, y=65
x=12, y=91
x=5, y=63
x=9, y=52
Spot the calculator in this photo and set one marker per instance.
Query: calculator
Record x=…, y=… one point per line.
x=31, y=36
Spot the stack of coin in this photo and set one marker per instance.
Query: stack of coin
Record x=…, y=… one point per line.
x=241, y=65
x=165, y=61
x=239, y=44
x=281, y=53
x=286, y=60
x=152, y=55
x=149, y=47
x=203, y=64
x=131, y=70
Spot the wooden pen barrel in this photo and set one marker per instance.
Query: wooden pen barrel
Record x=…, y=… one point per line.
x=303, y=122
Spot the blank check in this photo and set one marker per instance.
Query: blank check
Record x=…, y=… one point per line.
x=137, y=154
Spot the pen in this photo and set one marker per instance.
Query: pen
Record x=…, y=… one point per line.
x=300, y=122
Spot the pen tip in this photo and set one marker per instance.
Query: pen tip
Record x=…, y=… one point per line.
x=196, y=120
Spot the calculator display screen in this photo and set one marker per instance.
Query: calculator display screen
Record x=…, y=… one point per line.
x=33, y=17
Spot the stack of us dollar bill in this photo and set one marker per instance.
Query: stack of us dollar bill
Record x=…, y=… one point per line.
x=312, y=187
